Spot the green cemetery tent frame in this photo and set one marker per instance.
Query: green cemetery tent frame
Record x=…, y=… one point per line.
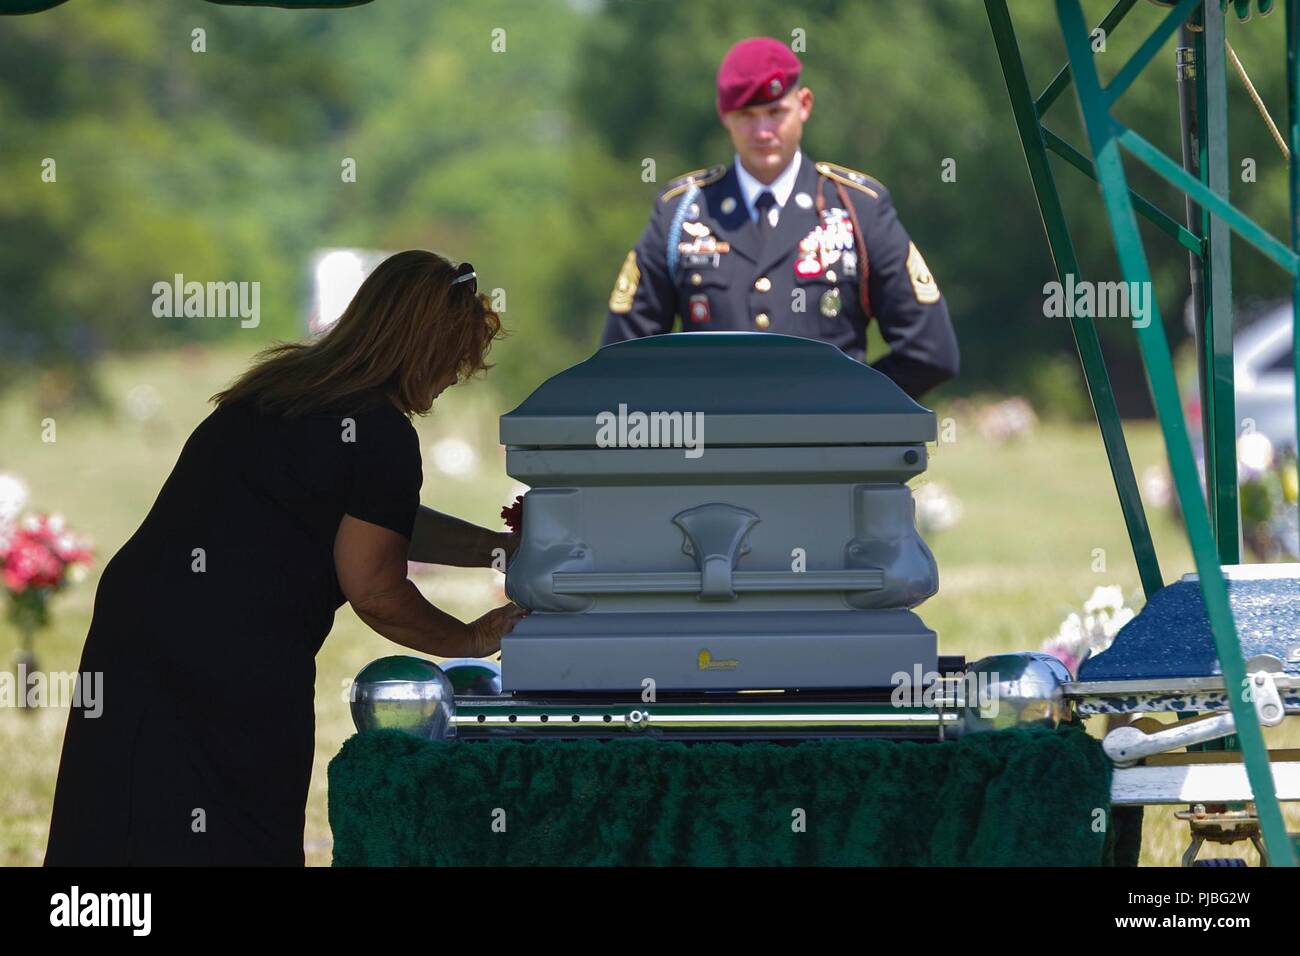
x=1212, y=526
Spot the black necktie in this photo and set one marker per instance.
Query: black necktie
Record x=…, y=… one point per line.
x=764, y=204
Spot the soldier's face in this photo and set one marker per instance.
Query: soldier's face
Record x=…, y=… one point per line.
x=767, y=136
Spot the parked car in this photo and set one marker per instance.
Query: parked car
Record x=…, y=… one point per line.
x=1265, y=380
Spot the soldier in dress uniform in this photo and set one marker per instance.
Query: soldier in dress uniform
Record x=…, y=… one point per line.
x=777, y=242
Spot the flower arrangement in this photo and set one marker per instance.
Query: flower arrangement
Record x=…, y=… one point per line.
x=513, y=514
x=1269, y=491
x=39, y=556
x=1082, y=635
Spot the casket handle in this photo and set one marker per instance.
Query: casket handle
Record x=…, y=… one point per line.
x=715, y=534
x=691, y=582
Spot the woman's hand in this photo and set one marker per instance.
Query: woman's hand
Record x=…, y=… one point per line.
x=485, y=634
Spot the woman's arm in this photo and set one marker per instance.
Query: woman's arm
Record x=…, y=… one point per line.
x=371, y=564
x=442, y=539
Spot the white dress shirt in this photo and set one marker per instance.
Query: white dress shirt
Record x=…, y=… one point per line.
x=781, y=187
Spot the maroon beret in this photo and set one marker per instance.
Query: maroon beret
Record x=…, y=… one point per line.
x=757, y=70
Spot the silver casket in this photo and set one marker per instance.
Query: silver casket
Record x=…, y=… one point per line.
x=718, y=511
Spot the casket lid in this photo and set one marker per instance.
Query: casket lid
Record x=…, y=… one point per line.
x=753, y=388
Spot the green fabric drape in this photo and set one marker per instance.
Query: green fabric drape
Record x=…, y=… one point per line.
x=1022, y=797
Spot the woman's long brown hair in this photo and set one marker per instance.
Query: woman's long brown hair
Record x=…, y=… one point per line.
x=406, y=331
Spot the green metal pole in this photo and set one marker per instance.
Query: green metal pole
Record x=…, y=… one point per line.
x=1190, y=62
x=1085, y=333
x=1189, y=56
x=1218, y=401
x=1293, y=179
x=1203, y=314
x=1102, y=138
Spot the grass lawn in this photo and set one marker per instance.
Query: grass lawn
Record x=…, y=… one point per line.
x=1034, y=514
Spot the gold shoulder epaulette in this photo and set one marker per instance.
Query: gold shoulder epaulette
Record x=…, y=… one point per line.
x=696, y=177
x=850, y=177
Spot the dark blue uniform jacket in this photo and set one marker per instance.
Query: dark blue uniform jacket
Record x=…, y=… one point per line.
x=702, y=258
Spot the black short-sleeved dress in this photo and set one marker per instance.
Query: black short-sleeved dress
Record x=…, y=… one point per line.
x=205, y=628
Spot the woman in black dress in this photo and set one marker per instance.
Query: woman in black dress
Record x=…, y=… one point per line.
x=298, y=492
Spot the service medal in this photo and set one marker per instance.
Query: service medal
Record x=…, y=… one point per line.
x=809, y=263
x=703, y=242
x=836, y=231
x=830, y=304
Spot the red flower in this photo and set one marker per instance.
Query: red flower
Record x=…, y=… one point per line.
x=38, y=554
x=513, y=514
x=30, y=563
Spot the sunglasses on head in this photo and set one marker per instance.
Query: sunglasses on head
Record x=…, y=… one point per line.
x=465, y=273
